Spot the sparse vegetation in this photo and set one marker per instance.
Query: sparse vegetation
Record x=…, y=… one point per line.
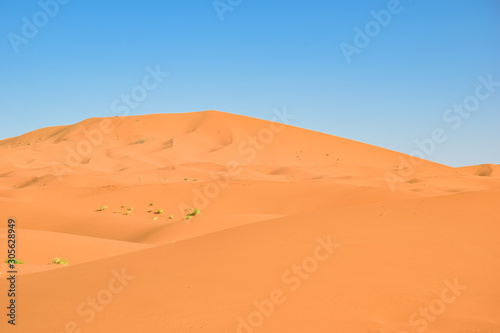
x=151, y=204
x=102, y=208
x=195, y=180
x=14, y=261
x=159, y=211
x=155, y=218
x=60, y=261
x=186, y=178
x=192, y=213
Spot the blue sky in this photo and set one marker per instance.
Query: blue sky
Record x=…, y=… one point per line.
x=407, y=72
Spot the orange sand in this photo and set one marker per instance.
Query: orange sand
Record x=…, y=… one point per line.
x=423, y=257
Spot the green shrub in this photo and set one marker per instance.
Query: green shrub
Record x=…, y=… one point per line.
x=14, y=261
x=192, y=213
x=60, y=261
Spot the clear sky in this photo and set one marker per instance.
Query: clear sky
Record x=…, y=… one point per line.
x=381, y=72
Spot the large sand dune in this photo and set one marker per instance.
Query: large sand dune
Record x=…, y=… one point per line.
x=298, y=231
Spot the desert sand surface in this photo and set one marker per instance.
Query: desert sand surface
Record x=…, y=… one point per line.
x=291, y=230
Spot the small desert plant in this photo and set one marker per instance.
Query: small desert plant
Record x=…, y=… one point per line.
x=195, y=180
x=131, y=209
x=14, y=261
x=102, y=208
x=192, y=213
x=171, y=217
x=151, y=204
x=123, y=206
x=159, y=211
x=155, y=218
x=60, y=261
x=128, y=212
x=186, y=178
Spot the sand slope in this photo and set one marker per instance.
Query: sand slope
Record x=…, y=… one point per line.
x=298, y=231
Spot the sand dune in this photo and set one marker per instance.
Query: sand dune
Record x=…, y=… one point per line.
x=290, y=230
